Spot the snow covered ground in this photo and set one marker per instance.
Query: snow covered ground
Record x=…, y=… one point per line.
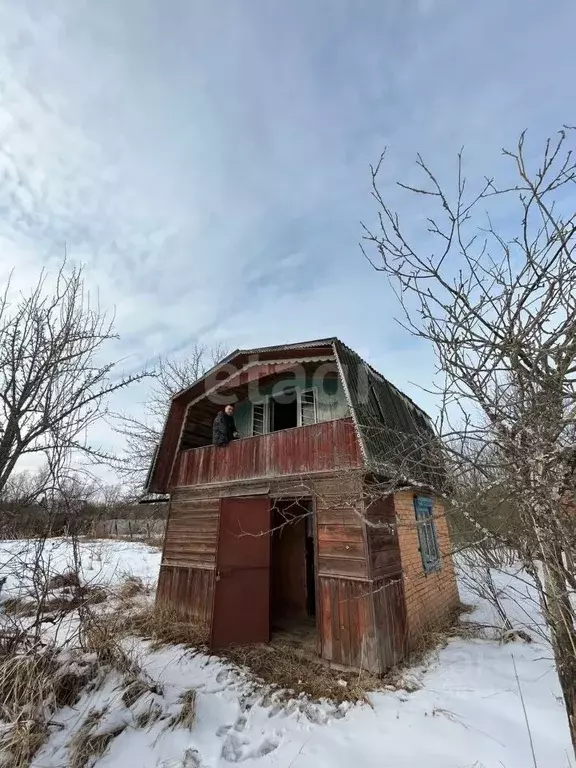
x=466, y=713
x=102, y=562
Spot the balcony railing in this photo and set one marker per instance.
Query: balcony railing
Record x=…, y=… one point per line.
x=318, y=447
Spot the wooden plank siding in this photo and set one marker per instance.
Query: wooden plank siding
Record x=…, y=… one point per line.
x=340, y=535
x=186, y=581
x=346, y=623
x=321, y=447
x=189, y=591
x=361, y=611
x=390, y=620
x=382, y=537
x=161, y=471
x=192, y=531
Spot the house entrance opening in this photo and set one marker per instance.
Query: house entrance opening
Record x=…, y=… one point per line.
x=293, y=574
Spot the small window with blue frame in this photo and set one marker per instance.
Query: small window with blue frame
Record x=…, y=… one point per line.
x=429, y=550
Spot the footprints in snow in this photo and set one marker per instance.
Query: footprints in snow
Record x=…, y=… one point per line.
x=237, y=748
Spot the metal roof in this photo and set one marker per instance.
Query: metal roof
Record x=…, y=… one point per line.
x=397, y=437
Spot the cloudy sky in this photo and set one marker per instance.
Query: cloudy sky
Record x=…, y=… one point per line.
x=208, y=159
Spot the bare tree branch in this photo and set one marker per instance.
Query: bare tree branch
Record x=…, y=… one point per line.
x=498, y=305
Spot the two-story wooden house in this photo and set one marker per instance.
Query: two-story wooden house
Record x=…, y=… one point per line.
x=293, y=523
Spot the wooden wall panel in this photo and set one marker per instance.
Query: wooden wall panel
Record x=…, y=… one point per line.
x=382, y=538
x=340, y=534
x=320, y=447
x=390, y=620
x=346, y=622
x=160, y=472
x=189, y=591
x=191, y=531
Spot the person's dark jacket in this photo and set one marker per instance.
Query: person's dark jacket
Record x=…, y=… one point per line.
x=224, y=429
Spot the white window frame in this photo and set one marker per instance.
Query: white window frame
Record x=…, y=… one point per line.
x=301, y=392
x=265, y=402
x=266, y=417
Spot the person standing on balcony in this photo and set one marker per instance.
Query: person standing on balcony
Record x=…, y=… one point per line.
x=224, y=427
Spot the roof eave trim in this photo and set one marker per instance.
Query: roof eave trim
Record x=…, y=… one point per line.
x=344, y=381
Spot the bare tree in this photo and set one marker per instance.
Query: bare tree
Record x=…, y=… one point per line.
x=142, y=433
x=54, y=380
x=498, y=305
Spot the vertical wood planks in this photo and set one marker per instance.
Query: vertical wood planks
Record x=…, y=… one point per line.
x=348, y=632
x=189, y=591
x=317, y=447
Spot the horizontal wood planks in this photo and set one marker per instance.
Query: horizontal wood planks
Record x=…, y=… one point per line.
x=346, y=623
x=320, y=447
x=341, y=541
x=189, y=591
x=192, y=531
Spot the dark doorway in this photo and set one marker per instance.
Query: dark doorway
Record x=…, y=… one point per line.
x=310, y=568
x=292, y=574
x=284, y=410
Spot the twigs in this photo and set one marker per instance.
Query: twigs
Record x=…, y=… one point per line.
x=497, y=302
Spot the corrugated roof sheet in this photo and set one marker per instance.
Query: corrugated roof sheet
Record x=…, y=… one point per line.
x=397, y=436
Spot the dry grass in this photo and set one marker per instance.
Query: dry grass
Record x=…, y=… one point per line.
x=281, y=665
x=18, y=606
x=21, y=741
x=133, y=691
x=31, y=687
x=136, y=686
x=86, y=744
x=23, y=607
x=149, y=716
x=437, y=635
x=131, y=587
x=161, y=626
x=67, y=579
x=187, y=715
x=298, y=671
x=100, y=636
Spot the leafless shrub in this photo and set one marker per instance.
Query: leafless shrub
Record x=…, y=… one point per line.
x=52, y=381
x=498, y=307
x=142, y=435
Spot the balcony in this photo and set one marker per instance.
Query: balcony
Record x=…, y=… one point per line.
x=322, y=447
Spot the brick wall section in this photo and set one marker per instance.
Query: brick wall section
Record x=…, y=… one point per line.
x=430, y=597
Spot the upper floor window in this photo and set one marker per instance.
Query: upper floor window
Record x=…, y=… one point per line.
x=424, y=511
x=307, y=407
x=284, y=410
x=259, y=418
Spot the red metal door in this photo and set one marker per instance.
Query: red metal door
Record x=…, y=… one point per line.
x=242, y=594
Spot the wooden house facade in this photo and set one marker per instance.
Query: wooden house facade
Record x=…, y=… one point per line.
x=292, y=525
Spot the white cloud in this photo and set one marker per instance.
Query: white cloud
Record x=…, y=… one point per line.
x=208, y=160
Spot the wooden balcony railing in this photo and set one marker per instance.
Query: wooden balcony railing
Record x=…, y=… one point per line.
x=318, y=447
